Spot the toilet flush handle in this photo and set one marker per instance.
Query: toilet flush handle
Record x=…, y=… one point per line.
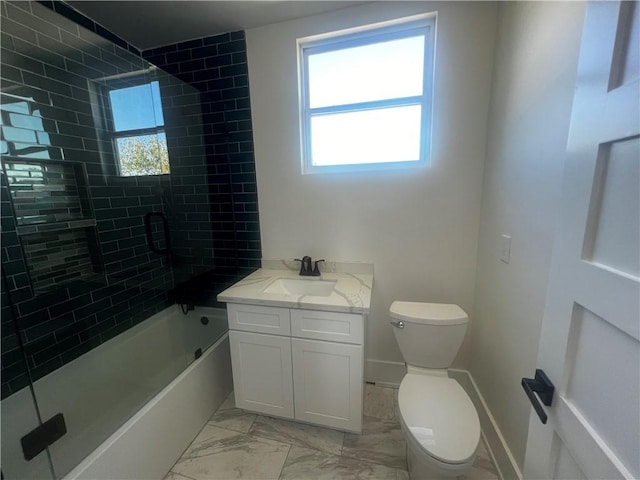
x=399, y=324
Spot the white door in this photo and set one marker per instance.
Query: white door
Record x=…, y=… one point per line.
x=589, y=346
x=328, y=383
x=262, y=373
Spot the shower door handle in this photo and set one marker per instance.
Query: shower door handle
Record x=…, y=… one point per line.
x=45, y=434
x=544, y=388
x=165, y=228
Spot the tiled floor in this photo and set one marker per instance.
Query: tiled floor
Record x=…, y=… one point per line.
x=238, y=444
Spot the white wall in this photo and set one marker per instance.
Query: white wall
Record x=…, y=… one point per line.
x=536, y=63
x=418, y=227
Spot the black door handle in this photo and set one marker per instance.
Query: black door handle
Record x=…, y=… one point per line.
x=165, y=228
x=544, y=388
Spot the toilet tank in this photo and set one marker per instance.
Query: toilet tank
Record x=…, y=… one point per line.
x=431, y=333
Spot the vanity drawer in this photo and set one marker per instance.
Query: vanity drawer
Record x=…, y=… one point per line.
x=332, y=326
x=253, y=318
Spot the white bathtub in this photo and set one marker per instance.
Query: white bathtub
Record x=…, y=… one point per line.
x=119, y=381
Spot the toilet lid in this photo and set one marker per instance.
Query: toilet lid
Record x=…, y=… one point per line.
x=440, y=417
x=428, y=313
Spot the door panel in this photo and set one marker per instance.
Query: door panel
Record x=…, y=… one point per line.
x=566, y=466
x=596, y=349
x=589, y=344
x=612, y=233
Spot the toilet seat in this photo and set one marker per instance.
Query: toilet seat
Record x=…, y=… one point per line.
x=440, y=418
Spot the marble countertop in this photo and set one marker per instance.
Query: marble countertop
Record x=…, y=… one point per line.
x=351, y=293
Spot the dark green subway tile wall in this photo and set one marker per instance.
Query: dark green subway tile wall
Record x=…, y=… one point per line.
x=210, y=199
x=217, y=67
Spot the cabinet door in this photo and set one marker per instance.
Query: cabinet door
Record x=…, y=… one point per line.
x=262, y=374
x=328, y=382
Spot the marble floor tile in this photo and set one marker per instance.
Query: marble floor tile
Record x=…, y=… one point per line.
x=396, y=406
x=307, y=464
x=228, y=416
x=300, y=434
x=477, y=473
x=402, y=475
x=482, y=450
x=275, y=448
x=175, y=476
x=378, y=402
x=483, y=468
x=218, y=453
x=233, y=419
x=381, y=442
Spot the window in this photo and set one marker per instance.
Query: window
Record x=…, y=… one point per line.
x=366, y=98
x=137, y=130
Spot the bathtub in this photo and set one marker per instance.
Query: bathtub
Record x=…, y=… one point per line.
x=130, y=405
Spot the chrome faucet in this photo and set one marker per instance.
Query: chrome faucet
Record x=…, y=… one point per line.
x=305, y=267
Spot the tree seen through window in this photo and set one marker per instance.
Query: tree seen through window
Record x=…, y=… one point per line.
x=138, y=130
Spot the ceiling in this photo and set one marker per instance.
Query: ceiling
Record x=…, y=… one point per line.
x=149, y=24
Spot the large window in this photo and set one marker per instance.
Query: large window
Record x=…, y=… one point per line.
x=366, y=98
x=137, y=130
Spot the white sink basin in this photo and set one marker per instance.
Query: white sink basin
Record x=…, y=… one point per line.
x=299, y=286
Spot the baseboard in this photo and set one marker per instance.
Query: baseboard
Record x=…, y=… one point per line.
x=498, y=449
x=384, y=373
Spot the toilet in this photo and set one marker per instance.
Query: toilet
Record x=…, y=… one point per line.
x=438, y=419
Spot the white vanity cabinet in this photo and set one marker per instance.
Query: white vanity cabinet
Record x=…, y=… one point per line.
x=309, y=366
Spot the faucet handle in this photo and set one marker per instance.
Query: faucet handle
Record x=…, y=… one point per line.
x=316, y=270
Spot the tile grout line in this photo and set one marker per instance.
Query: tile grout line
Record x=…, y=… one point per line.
x=285, y=462
x=179, y=474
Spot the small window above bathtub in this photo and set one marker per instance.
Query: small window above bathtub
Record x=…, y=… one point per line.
x=136, y=128
x=365, y=97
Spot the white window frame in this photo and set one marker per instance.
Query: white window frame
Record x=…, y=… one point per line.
x=397, y=29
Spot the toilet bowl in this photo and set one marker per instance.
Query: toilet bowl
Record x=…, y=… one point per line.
x=439, y=422
x=440, y=426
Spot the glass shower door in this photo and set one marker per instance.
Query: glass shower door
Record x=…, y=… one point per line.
x=18, y=405
x=94, y=239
